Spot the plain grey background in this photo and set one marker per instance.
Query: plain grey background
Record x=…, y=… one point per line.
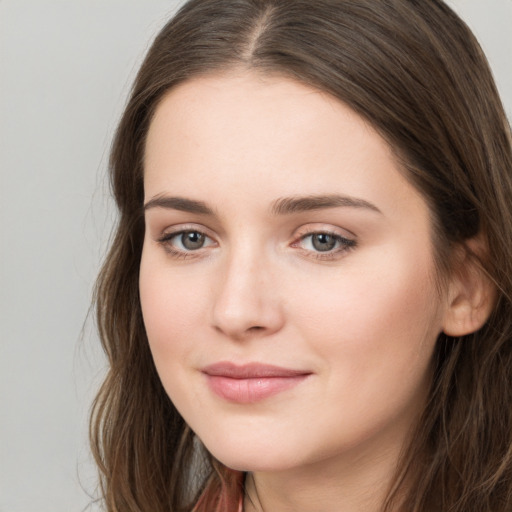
x=65, y=70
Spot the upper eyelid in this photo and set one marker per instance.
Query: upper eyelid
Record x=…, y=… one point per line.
x=181, y=228
x=312, y=228
x=345, y=241
x=329, y=233
x=172, y=234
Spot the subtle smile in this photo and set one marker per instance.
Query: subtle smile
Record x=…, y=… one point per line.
x=252, y=382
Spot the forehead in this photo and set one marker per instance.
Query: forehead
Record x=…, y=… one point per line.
x=249, y=109
x=268, y=136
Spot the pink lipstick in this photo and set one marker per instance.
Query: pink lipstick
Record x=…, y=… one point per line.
x=252, y=382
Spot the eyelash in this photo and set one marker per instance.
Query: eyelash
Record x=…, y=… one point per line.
x=344, y=245
x=166, y=239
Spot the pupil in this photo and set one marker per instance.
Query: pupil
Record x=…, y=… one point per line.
x=323, y=242
x=192, y=240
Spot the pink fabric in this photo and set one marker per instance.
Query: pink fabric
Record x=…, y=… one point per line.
x=225, y=496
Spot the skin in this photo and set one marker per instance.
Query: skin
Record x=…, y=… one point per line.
x=362, y=318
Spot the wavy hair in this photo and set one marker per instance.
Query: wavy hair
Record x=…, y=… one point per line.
x=414, y=71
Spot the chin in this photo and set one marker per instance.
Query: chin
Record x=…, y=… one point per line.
x=252, y=463
x=253, y=455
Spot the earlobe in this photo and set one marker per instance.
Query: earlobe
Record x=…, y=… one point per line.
x=471, y=292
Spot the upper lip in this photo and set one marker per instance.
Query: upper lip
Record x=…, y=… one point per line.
x=250, y=371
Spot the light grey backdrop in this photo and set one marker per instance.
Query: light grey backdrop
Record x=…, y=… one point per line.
x=65, y=70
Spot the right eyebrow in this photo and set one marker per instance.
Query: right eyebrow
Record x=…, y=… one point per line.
x=289, y=205
x=179, y=203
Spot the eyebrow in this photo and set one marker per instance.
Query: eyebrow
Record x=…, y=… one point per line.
x=179, y=203
x=282, y=206
x=289, y=205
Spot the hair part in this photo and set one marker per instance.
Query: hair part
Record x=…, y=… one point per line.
x=415, y=72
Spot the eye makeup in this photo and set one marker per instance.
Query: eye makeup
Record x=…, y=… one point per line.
x=186, y=242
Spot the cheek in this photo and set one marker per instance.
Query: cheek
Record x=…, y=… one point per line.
x=373, y=335
x=171, y=311
x=376, y=318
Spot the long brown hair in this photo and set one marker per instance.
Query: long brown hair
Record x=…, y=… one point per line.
x=413, y=70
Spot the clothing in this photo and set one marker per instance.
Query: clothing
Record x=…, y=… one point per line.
x=223, y=494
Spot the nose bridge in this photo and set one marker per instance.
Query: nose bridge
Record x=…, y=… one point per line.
x=246, y=301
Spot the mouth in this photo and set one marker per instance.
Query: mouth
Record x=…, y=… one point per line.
x=251, y=382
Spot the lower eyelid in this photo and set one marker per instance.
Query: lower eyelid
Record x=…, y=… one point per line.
x=333, y=255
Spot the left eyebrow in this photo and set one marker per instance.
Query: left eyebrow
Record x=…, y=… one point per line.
x=179, y=203
x=289, y=205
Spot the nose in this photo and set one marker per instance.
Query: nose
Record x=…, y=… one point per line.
x=247, y=302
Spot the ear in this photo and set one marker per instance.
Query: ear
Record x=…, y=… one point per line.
x=471, y=293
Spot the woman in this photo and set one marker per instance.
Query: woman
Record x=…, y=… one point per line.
x=307, y=304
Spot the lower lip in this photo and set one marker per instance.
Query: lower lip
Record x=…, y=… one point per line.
x=248, y=391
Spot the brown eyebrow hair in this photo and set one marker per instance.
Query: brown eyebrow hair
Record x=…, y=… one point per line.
x=288, y=205
x=179, y=203
x=282, y=206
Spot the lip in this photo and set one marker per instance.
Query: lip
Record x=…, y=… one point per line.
x=250, y=383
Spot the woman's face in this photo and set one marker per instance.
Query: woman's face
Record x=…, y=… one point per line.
x=287, y=280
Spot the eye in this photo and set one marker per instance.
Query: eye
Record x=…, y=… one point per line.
x=191, y=240
x=324, y=243
x=186, y=241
